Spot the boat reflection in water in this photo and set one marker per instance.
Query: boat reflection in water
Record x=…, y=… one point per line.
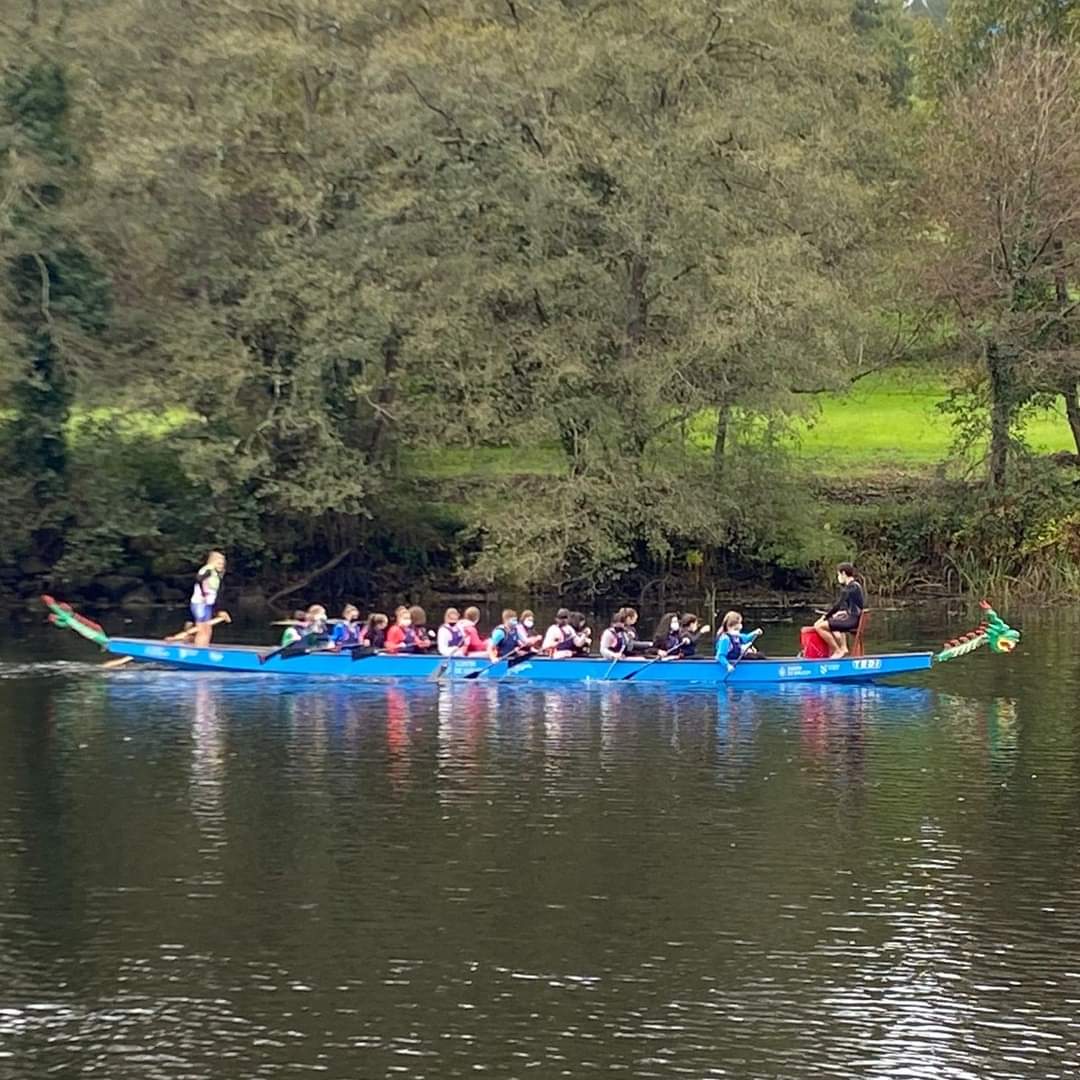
x=451, y=737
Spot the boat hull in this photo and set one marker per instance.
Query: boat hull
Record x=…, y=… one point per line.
x=703, y=672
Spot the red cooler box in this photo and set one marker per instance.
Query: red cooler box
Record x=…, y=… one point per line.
x=813, y=648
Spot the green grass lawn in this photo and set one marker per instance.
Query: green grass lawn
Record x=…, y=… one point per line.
x=888, y=422
x=891, y=421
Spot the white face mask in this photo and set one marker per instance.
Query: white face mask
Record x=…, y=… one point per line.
x=674, y=624
x=527, y=623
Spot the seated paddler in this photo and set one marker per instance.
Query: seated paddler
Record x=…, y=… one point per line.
x=732, y=644
x=504, y=639
x=689, y=633
x=559, y=639
x=347, y=629
x=296, y=630
x=452, y=639
x=616, y=641
x=402, y=637
x=843, y=617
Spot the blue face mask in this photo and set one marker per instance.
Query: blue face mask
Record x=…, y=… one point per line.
x=512, y=622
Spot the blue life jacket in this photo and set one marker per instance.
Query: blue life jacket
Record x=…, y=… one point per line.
x=729, y=647
x=457, y=635
x=509, y=641
x=346, y=633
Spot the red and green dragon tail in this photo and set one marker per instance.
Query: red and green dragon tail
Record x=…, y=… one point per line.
x=992, y=631
x=64, y=616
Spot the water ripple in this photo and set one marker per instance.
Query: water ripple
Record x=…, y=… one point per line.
x=205, y=876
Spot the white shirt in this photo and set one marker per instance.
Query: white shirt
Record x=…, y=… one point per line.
x=443, y=641
x=609, y=643
x=559, y=639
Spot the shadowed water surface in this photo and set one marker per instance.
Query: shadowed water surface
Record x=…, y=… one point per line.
x=246, y=877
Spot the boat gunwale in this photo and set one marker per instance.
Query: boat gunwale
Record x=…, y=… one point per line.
x=474, y=657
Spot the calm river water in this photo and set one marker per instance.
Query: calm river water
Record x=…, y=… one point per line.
x=210, y=877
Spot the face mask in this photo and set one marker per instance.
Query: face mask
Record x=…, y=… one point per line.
x=513, y=622
x=674, y=624
x=528, y=623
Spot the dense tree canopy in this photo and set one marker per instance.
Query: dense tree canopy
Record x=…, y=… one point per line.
x=265, y=260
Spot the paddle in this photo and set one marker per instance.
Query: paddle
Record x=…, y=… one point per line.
x=654, y=660
x=292, y=650
x=666, y=656
x=509, y=659
x=183, y=635
x=673, y=655
x=612, y=665
x=743, y=650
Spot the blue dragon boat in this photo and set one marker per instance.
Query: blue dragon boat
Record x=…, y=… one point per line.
x=248, y=659
x=360, y=664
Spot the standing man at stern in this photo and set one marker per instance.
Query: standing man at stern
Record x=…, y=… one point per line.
x=204, y=596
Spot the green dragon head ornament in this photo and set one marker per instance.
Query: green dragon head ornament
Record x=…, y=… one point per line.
x=992, y=631
x=63, y=615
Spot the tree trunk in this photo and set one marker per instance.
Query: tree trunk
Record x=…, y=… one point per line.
x=384, y=396
x=723, y=415
x=574, y=437
x=637, y=304
x=1069, y=383
x=1069, y=391
x=998, y=364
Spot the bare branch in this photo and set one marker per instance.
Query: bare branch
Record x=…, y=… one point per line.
x=43, y=274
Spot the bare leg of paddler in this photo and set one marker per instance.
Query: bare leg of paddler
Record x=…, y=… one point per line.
x=826, y=635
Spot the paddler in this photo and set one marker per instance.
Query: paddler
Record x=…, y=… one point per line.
x=308, y=628
x=615, y=641
x=297, y=630
x=528, y=638
x=374, y=633
x=451, y=639
x=204, y=596
x=425, y=638
x=733, y=645
x=504, y=638
x=318, y=625
x=346, y=633
x=582, y=634
x=559, y=639
x=470, y=625
x=402, y=637
x=843, y=617
x=690, y=631
x=666, y=637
